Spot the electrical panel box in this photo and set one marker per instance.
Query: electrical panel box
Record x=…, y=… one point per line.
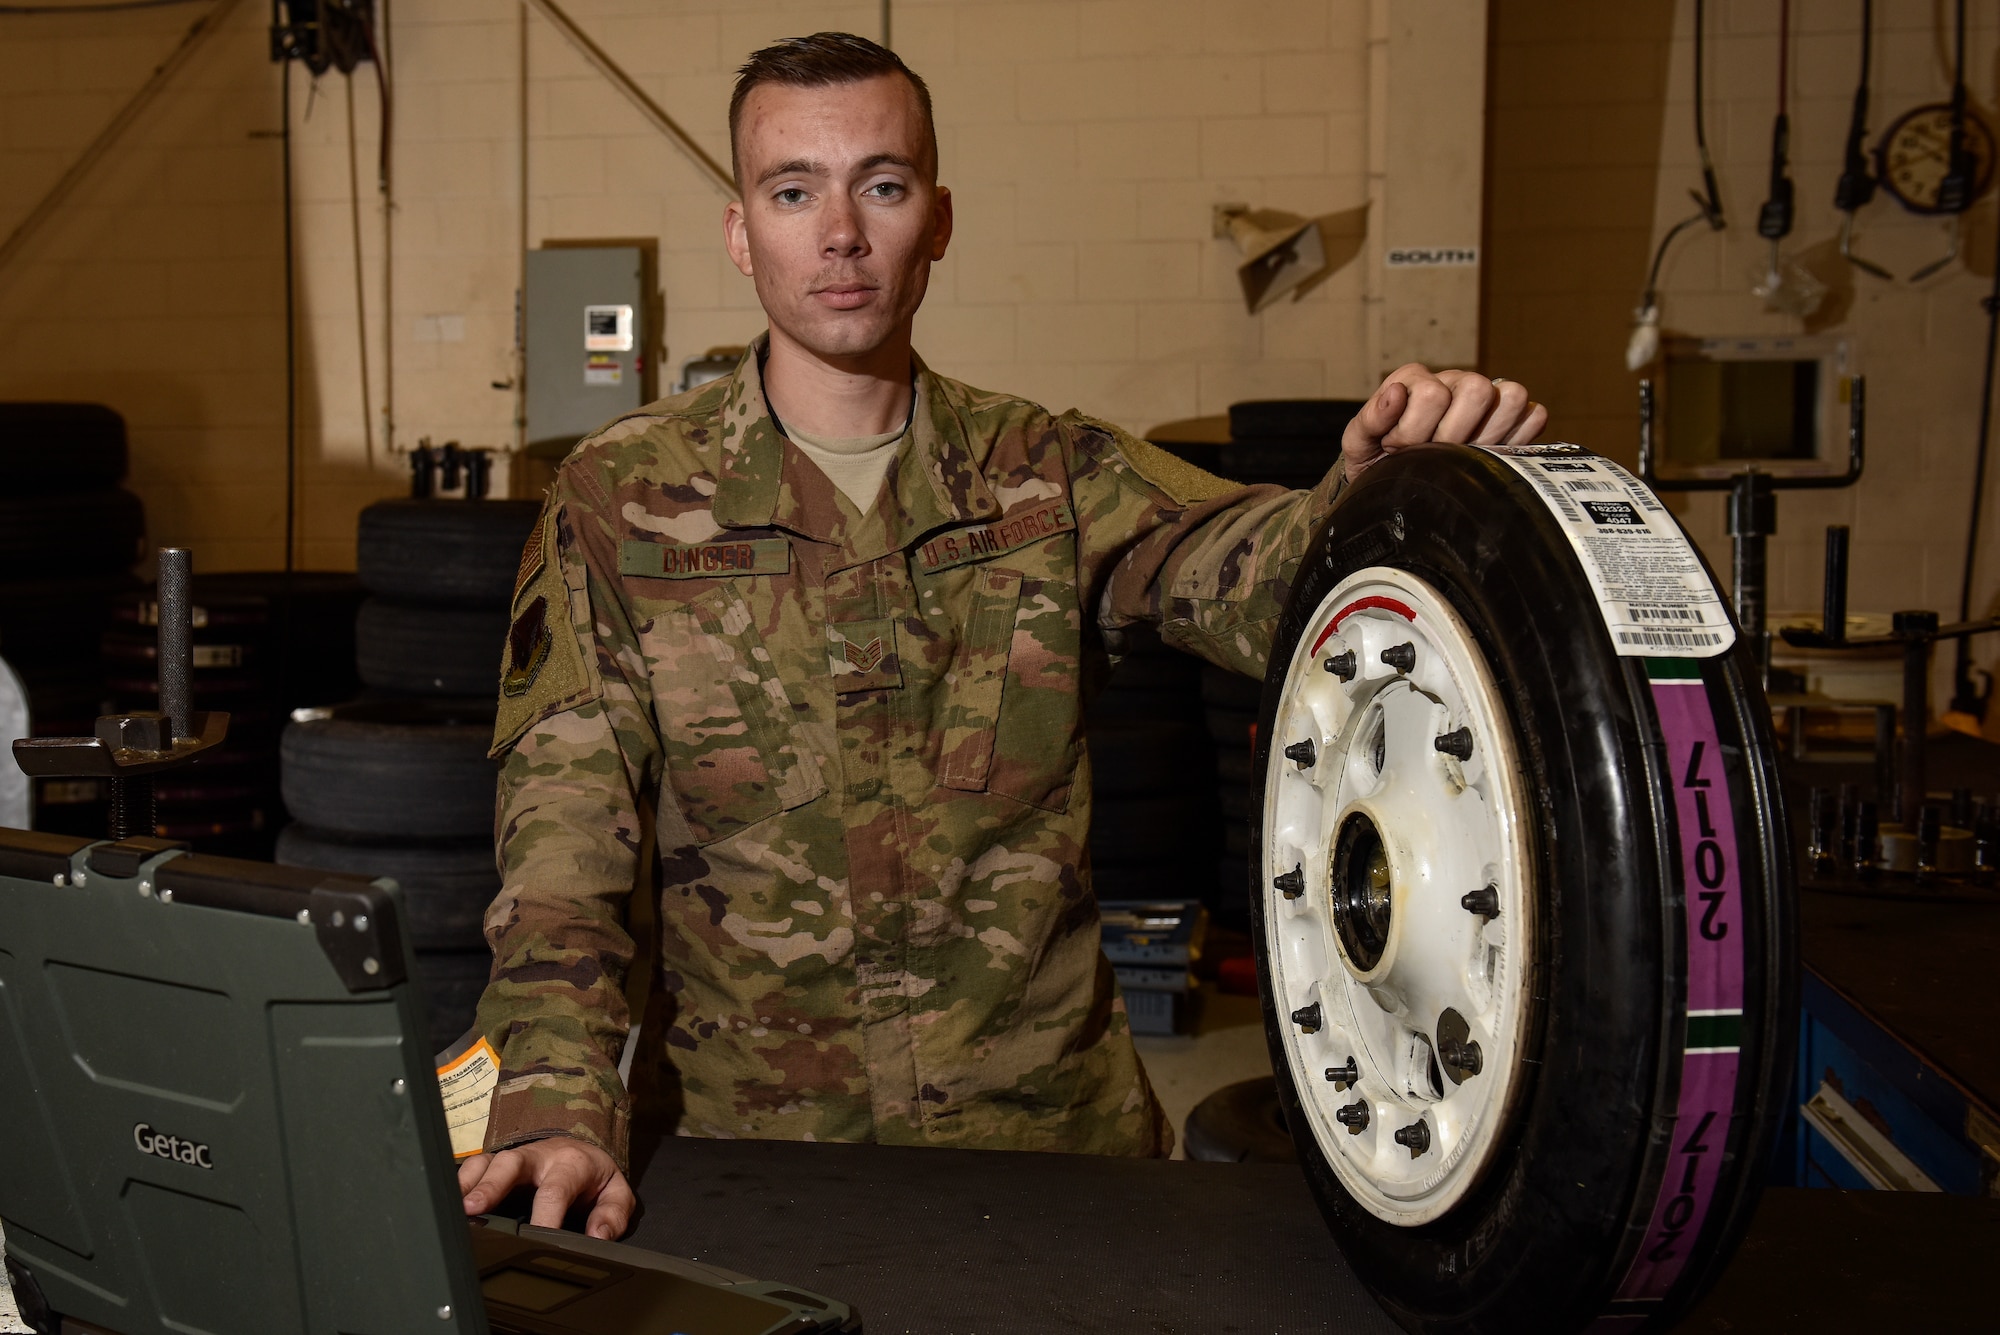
x=587, y=340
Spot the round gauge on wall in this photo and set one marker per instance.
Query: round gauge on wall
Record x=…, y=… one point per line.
x=1914, y=156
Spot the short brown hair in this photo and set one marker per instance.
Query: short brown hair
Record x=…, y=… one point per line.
x=821, y=61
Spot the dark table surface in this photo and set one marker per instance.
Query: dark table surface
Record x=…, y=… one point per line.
x=962, y=1242
x=957, y=1242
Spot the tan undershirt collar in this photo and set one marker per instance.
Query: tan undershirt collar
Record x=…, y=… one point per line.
x=856, y=464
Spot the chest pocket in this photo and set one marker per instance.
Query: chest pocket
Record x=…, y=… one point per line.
x=1012, y=722
x=732, y=756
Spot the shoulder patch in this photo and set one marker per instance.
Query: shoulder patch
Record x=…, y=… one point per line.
x=542, y=668
x=531, y=557
x=1173, y=475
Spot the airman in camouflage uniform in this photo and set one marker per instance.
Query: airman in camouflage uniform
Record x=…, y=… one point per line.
x=873, y=786
x=847, y=736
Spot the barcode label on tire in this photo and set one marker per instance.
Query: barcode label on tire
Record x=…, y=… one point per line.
x=1654, y=594
x=1670, y=639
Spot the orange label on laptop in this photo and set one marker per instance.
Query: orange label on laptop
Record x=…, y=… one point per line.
x=467, y=1083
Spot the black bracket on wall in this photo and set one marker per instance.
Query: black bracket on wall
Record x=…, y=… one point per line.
x=323, y=34
x=1753, y=508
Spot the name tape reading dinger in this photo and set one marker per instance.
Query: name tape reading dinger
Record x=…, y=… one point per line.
x=704, y=560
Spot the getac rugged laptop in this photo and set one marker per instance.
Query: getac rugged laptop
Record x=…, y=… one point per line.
x=217, y=1115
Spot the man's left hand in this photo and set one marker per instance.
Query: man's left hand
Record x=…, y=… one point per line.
x=1415, y=405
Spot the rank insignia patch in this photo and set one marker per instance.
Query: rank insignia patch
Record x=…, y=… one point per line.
x=861, y=655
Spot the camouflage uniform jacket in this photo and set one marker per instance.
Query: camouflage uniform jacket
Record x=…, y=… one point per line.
x=858, y=744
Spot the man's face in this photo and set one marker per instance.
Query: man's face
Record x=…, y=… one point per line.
x=840, y=219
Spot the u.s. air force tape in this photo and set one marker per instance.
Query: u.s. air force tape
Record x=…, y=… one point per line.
x=963, y=545
x=703, y=560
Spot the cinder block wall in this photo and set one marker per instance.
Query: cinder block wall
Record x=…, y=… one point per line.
x=1086, y=141
x=158, y=287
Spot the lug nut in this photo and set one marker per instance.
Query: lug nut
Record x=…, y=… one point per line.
x=1484, y=901
x=1302, y=754
x=1343, y=1075
x=1464, y=1056
x=1416, y=1136
x=1353, y=1116
x=1456, y=744
x=1341, y=665
x=1292, y=883
x=1401, y=657
x=1307, y=1018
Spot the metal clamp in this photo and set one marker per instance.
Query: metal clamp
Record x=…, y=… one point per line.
x=129, y=749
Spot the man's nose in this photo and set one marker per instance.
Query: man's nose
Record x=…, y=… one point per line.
x=843, y=237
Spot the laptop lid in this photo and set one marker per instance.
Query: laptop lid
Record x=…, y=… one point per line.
x=217, y=1112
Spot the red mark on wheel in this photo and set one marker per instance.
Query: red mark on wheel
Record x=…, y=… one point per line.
x=1402, y=610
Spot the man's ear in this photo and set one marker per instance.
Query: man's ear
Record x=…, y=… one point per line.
x=736, y=237
x=940, y=223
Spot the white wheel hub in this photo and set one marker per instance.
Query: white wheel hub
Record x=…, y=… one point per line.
x=1397, y=905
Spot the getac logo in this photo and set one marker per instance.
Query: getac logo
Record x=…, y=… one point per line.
x=152, y=1142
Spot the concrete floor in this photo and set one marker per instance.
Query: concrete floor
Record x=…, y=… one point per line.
x=1226, y=1046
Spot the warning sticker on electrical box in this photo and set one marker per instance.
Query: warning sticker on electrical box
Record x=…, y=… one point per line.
x=1656, y=598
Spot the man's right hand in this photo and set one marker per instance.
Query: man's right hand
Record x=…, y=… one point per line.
x=1415, y=405
x=563, y=1172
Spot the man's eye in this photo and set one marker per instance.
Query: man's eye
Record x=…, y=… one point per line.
x=885, y=190
x=791, y=195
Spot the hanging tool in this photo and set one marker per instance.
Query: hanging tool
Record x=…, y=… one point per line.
x=1784, y=286
x=1955, y=191
x=1857, y=184
x=1645, y=342
x=1969, y=697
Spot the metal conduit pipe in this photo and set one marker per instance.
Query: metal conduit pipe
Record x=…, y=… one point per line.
x=636, y=95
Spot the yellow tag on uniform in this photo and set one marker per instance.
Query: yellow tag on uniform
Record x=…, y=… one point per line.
x=467, y=1083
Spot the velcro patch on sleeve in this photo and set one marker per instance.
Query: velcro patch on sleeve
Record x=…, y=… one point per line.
x=703, y=560
x=541, y=667
x=961, y=546
x=1181, y=480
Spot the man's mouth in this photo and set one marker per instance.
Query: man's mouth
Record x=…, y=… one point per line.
x=844, y=296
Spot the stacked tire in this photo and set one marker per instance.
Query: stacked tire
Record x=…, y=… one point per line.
x=1289, y=443
x=69, y=537
x=265, y=643
x=397, y=784
x=1153, y=828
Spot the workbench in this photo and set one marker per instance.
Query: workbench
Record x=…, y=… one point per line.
x=1899, y=1005
x=970, y=1242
